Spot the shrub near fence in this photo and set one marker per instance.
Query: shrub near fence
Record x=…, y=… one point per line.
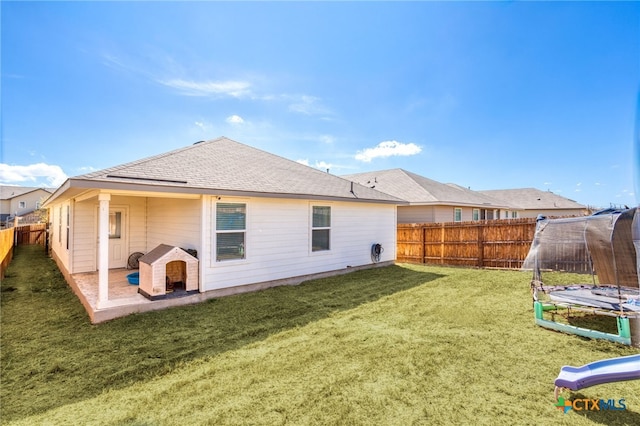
x=485, y=244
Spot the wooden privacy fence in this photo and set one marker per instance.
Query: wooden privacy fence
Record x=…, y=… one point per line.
x=21, y=234
x=6, y=249
x=31, y=234
x=484, y=244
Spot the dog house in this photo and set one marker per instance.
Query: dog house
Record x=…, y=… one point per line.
x=167, y=270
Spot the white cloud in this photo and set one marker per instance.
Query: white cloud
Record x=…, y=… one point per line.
x=323, y=165
x=388, y=149
x=39, y=174
x=234, y=119
x=308, y=105
x=234, y=89
x=329, y=140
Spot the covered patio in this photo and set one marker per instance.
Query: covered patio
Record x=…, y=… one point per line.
x=123, y=298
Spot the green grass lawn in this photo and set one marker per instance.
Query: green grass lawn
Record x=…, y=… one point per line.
x=401, y=345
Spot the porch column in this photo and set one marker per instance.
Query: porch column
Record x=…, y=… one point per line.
x=103, y=250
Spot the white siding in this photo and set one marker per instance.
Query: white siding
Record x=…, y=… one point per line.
x=278, y=240
x=85, y=230
x=135, y=222
x=85, y=237
x=58, y=232
x=174, y=222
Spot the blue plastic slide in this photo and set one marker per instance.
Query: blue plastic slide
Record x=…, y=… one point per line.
x=598, y=372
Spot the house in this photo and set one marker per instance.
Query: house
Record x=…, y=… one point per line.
x=432, y=201
x=254, y=219
x=531, y=202
x=20, y=200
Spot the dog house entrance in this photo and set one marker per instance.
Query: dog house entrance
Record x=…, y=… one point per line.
x=176, y=276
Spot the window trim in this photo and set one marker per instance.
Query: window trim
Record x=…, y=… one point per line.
x=214, y=226
x=320, y=228
x=475, y=215
x=22, y=204
x=457, y=214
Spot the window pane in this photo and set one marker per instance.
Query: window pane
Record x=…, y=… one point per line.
x=230, y=216
x=457, y=215
x=230, y=245
x=321, y=217
x=320, y=240
x=115, y=224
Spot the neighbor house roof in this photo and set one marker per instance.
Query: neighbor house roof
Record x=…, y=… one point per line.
x=419, y=190
x=533, y=199
x=9, y=192
x=223, y=167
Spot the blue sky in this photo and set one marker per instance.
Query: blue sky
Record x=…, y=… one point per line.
x=488, y=95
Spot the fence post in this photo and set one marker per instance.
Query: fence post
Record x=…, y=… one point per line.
x=423, y=242
x=481, y=245
x=442, y=243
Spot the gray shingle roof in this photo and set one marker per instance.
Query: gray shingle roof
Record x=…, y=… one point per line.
x=225, y=166
x=533, y=199
x=8, y=192
x=418, y=189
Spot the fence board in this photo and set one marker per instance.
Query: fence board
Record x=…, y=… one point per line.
x=6, y=249
x=31, y=234
x=485, y=244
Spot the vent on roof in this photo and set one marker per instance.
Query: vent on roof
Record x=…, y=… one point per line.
x=196, y=143
x=147, y=179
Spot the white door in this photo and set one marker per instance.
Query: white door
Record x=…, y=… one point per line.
x=118, y=240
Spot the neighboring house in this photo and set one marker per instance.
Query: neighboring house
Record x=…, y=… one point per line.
x=251, y=217
x=432, y=201
x=531, y=202
x=20, y=200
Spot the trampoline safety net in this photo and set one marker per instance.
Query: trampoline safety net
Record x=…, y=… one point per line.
x=606, y=246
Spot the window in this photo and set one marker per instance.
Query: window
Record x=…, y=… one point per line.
x=457, y=214
x=321, y=228
x=231, y=227
x=60, y=225
x=514, y=215
x=22, y=204
x=115, y=225
x=68, y=221
x=476, y=214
